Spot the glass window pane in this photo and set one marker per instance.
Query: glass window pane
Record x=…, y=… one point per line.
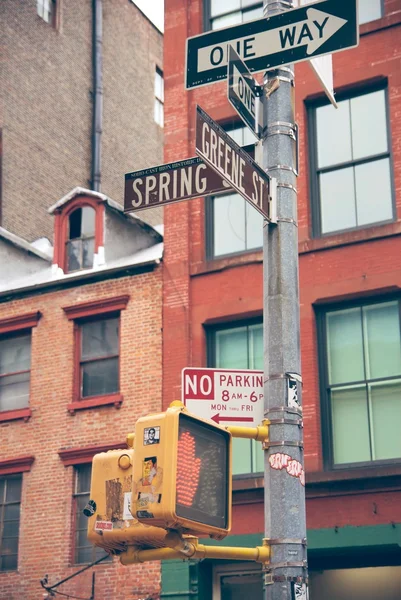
x=74, y=255
x=350, y=425
x=373, y=192
x=15, y=354
x=13, y=492
x=9, y=545
x=84, y=555
x=386, y=420
x=229, y=224
x=9, y=563
x=337, y=197
x=344, y=346
x=257, y=457
x=88, y=221
x=369, y=125
x=14, y=391
x=382, y=340
x=2, y=488
x=88, y=250
x=100, y=377
x=256, y=347
x=237, y=134
x=254, y=227
x=11, y=529
x=219, y=7
x=12, y=512
x=231, y=19
x=248, y=137
x=241, y=456
x=252, y=15
x=246, y=3
x=333, y=134
x=232, y=348
x=100, y=338
x=83, y=480
x=159, y=92
x=75, y=220
x=369, y=10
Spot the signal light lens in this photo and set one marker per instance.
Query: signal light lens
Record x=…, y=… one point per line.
x=202, y=472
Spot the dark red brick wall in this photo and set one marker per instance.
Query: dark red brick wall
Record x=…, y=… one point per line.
x=46, y=523
x=197, y=292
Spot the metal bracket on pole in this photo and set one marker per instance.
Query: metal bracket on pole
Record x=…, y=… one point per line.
x=267, y=445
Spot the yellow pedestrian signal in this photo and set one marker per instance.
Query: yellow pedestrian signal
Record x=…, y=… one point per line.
x=182, y=474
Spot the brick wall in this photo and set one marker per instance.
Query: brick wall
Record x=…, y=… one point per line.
x=45, y=531
x=46, y=86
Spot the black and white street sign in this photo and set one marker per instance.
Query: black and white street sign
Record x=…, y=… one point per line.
x=295, y=35
x=173, y=182
x=217, y=149
x=244, y=93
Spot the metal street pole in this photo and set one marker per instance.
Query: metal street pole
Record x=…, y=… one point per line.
x=285, y=521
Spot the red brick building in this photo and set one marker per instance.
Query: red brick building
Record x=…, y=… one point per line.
x=349, y=219
x=80, y=361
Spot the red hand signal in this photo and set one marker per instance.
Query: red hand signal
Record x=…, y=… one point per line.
x=188, y=469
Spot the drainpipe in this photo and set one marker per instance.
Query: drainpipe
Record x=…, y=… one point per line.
x=97, y=95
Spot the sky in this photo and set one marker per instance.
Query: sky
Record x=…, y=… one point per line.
x=154, y=10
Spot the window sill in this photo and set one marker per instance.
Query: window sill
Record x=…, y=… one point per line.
x=13, y=415
x=386, y=21
x=350, y=237
x=95, y=402
x=220, y=264
x=361, y=480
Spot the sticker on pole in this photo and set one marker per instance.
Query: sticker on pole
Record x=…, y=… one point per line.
x=225, y=396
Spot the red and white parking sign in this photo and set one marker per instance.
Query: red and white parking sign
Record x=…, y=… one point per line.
x=226, y=396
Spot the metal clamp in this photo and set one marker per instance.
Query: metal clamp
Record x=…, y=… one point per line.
x=284, y=3
x=282, y=168
x=288, y=186
x=277, y=541
x=298, y=422
x=283, y=443
x=288, y=409
x=287, y=220
x=283, y=565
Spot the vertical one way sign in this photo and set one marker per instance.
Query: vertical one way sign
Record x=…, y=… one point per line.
x=244, y=93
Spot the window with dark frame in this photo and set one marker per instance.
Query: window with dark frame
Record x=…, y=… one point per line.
x=84, y=551
x=239, y=346
x=15, y=370
x=361, y=383
x=221, y=13
x=351, y=171
x=10, y=504
x=159, y=97
x=80, y=246
x=46, y=10
x=224, y=13
x=98, y=346
x=233, y=225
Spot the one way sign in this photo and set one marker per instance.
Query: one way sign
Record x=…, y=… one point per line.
x=295, y=35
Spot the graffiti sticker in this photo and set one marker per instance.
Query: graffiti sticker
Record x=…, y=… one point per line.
x=151, y=435
x=300, y=591
x=293, y=467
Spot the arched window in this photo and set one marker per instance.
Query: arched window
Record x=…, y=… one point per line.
x=80, y=246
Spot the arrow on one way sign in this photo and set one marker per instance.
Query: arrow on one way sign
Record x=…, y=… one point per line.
x=295, y=35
